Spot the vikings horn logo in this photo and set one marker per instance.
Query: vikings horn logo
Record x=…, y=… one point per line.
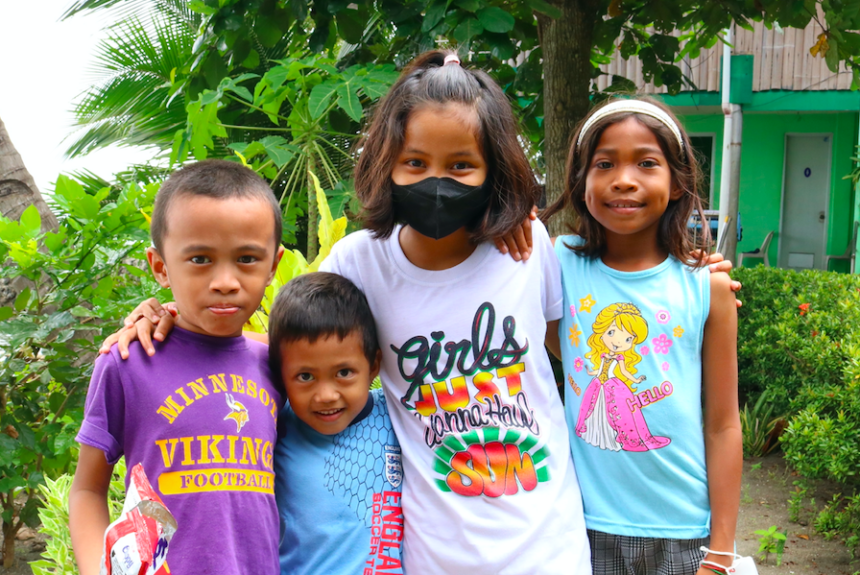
x=238, y=413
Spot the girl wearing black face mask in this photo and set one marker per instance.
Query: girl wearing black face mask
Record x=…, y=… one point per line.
x=488, y=486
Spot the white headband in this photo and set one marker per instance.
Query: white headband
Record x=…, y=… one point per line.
x=451, y=59
x=637, y=107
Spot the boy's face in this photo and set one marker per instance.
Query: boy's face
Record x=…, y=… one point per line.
x=328, y=380
x=219, y=256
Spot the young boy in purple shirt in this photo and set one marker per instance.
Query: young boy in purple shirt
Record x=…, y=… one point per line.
x=200, y=415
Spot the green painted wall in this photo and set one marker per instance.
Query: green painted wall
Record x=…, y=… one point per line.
x=762, y=159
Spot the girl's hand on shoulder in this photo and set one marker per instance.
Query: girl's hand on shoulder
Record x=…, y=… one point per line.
x=149, y=321
x=717, y=263
x=519, y=242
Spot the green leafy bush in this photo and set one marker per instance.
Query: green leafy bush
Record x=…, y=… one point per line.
x=822, y=438
x=796, y=330
x=58, y=559
x=798, y=342
x=80, y=280
x=759, y=427
x=799, y=348
x=841, y=518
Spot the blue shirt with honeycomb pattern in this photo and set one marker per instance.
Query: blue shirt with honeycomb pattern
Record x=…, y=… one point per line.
x=339, y=495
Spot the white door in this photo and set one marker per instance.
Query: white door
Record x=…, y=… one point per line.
x=806, y=193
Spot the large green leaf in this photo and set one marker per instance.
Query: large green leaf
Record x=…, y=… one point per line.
x=347, y=100
x=544, y=8
x=31, y=222
x=433, y=15
x=468, y=5
x=278, y=150
x=467, y=29
x=320, y=97
x=351, y=24
x=495, y=19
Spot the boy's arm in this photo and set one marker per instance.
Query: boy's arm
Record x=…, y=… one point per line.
x=261, y=337
x=552, y=342
x=88, y=508
x=723, y=450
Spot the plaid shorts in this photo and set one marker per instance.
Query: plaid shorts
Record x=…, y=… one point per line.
x=622, y=555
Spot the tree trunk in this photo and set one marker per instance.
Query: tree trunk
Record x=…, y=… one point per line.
x=10, y=530
x=313, y=214
x=18, y=191
x=566, y=43
x=17, y=188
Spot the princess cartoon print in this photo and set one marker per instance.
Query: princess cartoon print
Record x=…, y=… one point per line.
x=606, y=419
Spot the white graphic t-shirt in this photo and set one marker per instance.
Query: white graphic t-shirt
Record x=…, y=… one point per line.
x=490, y=485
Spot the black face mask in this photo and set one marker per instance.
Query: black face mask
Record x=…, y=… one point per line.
x=438, y=207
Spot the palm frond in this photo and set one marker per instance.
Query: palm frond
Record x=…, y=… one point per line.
x=176, y=11
x=130, y=102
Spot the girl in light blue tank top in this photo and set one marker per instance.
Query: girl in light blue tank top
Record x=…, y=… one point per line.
x=648, y=344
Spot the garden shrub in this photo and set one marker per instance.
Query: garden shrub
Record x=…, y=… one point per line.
x=799, y=343
x=58, y=558
x=81, y=279
x=822, y=438
x=795, y=330
x=840, y=518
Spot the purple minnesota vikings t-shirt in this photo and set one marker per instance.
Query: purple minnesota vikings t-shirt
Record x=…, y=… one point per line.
x=201, y=416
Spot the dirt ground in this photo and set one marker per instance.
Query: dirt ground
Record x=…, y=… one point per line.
x=28, y=547
x=767, y=485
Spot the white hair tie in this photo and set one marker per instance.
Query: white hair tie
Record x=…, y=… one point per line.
x=451, y=59
x=636, y=107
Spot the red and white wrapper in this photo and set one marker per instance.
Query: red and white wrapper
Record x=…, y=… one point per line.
x=136, y=543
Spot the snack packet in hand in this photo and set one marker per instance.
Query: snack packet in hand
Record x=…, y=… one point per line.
x=136, y=543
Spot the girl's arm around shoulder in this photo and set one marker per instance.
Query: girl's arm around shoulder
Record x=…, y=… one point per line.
x=723, y=448
x=88, y=509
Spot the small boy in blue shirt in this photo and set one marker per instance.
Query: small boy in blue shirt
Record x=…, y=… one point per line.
x=338, y=472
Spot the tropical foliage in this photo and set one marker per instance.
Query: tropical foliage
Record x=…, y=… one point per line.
x=87, y=272
x=299, y=118
x=58, y=559
x=132, y=99
x=545, y=53
x=293, y=263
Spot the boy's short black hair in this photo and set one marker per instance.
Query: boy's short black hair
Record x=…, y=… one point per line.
x=317, y=305
x=217, y=179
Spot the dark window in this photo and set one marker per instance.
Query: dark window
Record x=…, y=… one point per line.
x=704, y=147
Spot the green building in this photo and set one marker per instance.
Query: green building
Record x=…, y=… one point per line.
x=801, y=123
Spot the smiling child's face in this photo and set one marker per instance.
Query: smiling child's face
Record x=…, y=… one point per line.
x=327, y=381
x=629, y=182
